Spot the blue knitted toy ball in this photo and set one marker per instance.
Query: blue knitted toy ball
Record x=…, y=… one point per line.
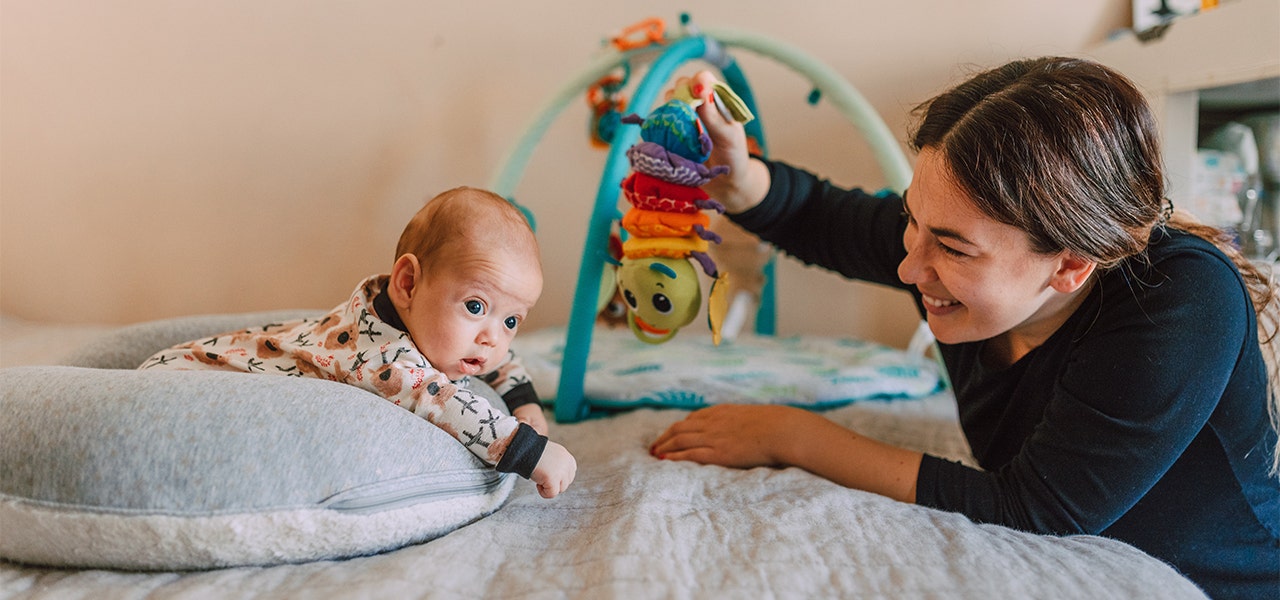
x=675, y=126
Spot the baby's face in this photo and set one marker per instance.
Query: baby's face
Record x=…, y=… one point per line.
x=464, y=315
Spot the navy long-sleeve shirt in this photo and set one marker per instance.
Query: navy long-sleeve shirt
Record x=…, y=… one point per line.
x=1143, y=418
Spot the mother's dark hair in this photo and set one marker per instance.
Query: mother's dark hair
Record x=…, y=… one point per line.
x=1062, y=148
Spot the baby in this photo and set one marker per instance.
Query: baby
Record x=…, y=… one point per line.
x=466, y=274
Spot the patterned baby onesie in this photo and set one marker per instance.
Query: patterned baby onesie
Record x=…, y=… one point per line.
x=352, y=345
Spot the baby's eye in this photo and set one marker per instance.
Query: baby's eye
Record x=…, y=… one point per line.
x=475, y=307
x=511, y=322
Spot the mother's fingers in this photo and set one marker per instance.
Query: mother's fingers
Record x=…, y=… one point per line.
x=702, y=83
x=694, y=421
x=701, y=455
x=701, y=430
x=676, y=437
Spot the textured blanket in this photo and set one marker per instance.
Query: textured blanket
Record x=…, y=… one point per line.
x=636, y=527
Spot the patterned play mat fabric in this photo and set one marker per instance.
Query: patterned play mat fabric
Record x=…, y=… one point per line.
x=690, y=372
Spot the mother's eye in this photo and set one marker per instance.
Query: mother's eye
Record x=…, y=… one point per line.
x=950, y=250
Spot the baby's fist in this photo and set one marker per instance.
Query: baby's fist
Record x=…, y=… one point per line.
x=555, y=470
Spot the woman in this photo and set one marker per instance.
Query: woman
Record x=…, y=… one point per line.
x=1104, y=352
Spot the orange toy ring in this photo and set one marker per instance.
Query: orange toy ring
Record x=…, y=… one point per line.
x=645, y=33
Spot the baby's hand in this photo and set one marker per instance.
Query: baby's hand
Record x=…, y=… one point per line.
x=531, y=415
x=555, y=470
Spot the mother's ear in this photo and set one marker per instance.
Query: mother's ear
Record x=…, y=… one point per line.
x=1073, y=271
x=406, y=275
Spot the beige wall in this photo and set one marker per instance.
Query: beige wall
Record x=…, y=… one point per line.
x=163, y=158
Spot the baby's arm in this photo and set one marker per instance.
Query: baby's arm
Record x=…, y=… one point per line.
x=499, y=440
x=470, y=418
x=512, y=382
x=531, y=415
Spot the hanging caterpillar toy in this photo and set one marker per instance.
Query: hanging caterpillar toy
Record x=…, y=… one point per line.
x=667, y=225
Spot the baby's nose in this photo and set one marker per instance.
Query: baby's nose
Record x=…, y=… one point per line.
x=488, y=335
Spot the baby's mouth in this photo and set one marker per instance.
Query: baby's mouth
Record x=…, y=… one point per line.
x=472, y=366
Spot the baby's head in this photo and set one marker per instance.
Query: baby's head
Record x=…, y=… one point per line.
x=466, y=274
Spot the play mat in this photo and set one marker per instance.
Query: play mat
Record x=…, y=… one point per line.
x=816, y=373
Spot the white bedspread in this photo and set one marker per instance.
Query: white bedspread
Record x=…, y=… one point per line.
x=632, y=526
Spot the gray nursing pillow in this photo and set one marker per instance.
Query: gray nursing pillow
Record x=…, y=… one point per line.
x=127, y=347
x=103, y=466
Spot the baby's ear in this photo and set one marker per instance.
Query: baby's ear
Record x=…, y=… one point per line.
x=406, y=273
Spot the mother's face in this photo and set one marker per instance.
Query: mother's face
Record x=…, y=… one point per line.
x=979, y=278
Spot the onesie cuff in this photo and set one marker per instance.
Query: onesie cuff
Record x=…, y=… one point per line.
x=523, y=452
x=521, y=395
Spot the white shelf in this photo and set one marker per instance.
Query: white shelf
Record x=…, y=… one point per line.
x=1260, y=93
x=1232, y=50
x=1239, y=41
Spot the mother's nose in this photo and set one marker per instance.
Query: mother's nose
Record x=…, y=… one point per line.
x=915, y=267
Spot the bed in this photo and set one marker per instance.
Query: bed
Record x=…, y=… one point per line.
x=632, y=526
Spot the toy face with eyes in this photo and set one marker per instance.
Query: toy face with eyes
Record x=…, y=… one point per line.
x=661, y=294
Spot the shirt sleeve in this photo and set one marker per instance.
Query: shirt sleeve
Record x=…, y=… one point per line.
x=853, y=233
x=1132, y=389
x=409, y=381
x=511, y=381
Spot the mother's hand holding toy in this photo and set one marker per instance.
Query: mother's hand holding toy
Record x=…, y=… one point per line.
x=666, y=223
